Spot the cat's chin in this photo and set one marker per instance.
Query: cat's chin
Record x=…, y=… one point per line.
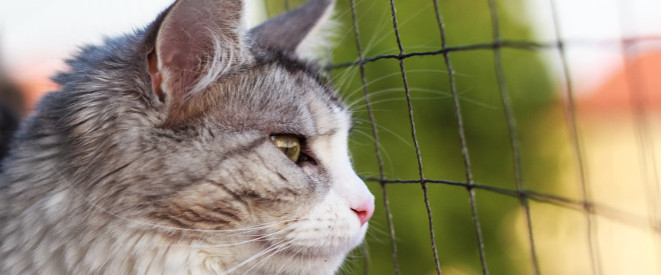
x=310, y=255
x=301, y=264
x=325, y=249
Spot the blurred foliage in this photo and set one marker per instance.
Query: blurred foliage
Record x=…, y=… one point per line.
x=530, y=88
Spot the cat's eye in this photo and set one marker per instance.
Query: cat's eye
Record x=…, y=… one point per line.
x=289, y=145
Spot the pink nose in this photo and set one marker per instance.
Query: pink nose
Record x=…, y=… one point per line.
x=364, y=211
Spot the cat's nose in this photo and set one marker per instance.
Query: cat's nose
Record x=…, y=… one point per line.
x=364, y=211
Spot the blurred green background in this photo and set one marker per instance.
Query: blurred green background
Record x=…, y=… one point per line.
x=530, y=88
x=618, y=140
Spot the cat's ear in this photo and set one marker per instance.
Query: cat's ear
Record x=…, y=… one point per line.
x=194, y=43
x=302, y=31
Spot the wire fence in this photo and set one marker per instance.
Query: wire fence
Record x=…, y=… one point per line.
x=594, y=210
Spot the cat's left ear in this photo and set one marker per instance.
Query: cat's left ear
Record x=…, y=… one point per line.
x=302, y=31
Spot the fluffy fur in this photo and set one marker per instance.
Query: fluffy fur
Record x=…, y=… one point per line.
x=155, y=157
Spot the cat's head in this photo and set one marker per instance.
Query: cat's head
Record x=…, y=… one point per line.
x=256, y=140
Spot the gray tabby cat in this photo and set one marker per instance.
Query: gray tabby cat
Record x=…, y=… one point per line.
x=193, y=147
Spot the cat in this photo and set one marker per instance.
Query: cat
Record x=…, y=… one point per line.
x=194, y=146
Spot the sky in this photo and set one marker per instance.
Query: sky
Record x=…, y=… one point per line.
x=36, y=35
x=602, y=21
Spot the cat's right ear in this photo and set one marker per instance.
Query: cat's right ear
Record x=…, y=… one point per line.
x=303, y=31
x=191, y=45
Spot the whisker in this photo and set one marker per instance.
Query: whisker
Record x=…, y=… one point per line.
x=282, y=247
x=256, y=256
x=401, y=24
x=343, y=78
x=348, y=31
x=441, y=95
x=379, y=33
x=391, y=132
x=258, y=238
x=364, y=134
x=378, y=235
x=282, y=268
x=352, y=93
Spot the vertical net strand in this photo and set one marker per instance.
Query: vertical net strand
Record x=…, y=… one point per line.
x=423, y=184
x=375, y=135
x=462, y=136
x=512, y=129
x=570, y=116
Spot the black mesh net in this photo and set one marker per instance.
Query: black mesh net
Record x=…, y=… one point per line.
x=485, y=147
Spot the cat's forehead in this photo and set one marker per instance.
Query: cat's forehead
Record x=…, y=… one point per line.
x=280, y=97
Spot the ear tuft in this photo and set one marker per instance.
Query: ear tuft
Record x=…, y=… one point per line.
x=156, y=76
x=303, y=31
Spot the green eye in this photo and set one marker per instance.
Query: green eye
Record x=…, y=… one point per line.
x=289, y=145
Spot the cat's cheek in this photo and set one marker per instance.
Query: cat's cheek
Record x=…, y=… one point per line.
x=330, y=228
